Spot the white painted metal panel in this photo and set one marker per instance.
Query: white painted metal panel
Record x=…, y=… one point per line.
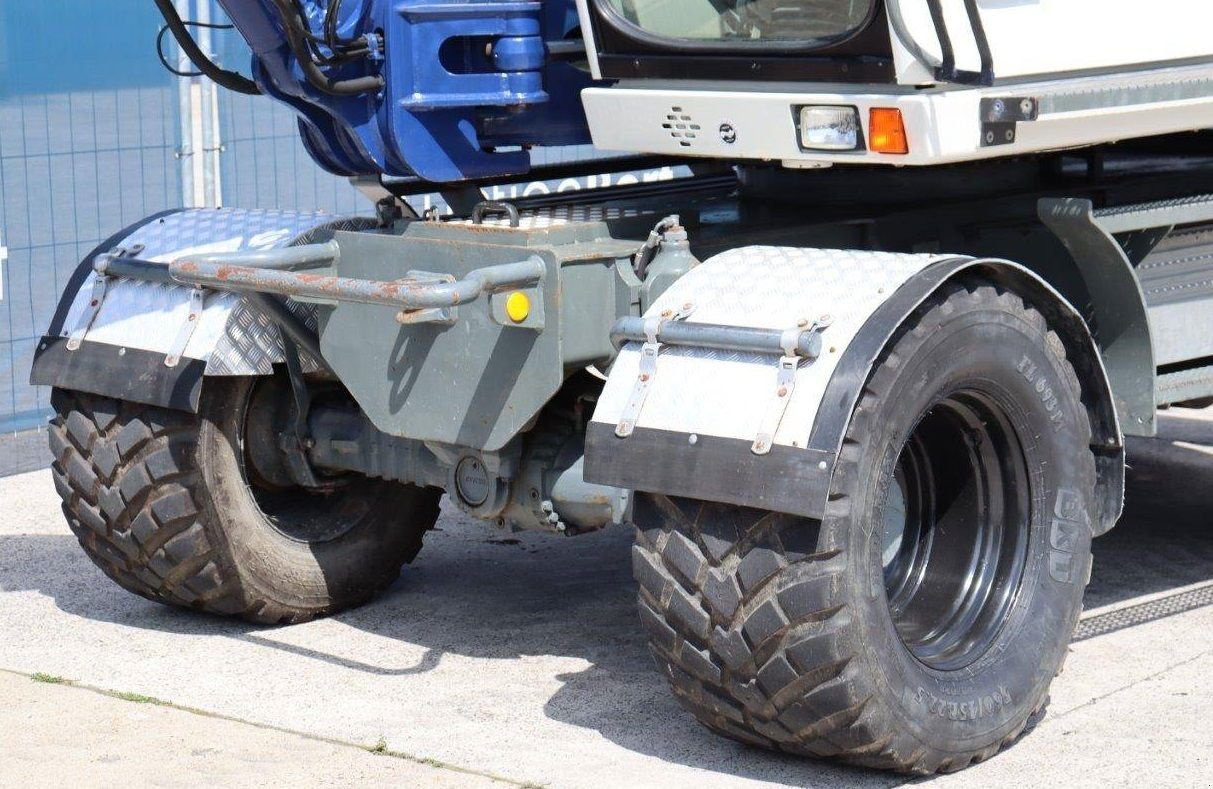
x=1034, y=37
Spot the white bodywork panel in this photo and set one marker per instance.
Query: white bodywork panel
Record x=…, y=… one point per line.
x=725, y=394
x=1029, y=37
x=942, y=124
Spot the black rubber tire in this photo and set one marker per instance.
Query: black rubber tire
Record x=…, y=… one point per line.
x=776, y=630
x=158, y=499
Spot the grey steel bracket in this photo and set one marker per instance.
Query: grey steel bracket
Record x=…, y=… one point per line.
x=177, y=349
x=652, y=328
x=100, y=281
x=442, y=315
x=785, y=382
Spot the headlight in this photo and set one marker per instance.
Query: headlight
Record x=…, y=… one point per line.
x=829, y=128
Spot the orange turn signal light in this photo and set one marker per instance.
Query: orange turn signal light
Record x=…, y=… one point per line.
x=887, y=131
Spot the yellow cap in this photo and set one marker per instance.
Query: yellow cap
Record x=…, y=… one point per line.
x=517, y=306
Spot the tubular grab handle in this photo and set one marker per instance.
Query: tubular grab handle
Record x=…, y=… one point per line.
x=269, y=271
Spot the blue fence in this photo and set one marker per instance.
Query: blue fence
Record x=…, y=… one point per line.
x=87, y=145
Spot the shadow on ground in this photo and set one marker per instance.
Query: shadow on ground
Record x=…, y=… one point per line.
x=471, y=594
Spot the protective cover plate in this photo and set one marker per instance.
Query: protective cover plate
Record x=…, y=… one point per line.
x=725, y=394
x=230, y=337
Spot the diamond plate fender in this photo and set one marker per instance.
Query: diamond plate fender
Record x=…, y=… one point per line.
x=138, y=344
x=704, y=408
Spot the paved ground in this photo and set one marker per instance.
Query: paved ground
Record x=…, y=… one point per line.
x=522, y=659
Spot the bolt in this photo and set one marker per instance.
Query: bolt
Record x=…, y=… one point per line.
x=122, y=352
x=783, y=391
x=693, y=439
x=193, y=317
x=802, y=323
x=93, y=303
x=999, y=107
x=823, y=465
x=667, y=313
x=687, y=306
x=644, y=376
x=760, y=445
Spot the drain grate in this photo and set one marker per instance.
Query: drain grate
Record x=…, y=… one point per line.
x=1142, y=613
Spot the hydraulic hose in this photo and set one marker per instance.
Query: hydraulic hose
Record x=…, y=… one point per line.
x=227, y=79
x=297, y=38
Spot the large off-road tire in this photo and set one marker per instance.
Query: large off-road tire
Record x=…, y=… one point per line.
x=917, y=627
x=164, y=503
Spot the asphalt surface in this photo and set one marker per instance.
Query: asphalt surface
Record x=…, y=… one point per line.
x=519, y=658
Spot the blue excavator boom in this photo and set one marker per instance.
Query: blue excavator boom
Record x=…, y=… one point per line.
x=441, y=90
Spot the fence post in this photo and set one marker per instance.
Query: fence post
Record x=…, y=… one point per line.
x=201, y=184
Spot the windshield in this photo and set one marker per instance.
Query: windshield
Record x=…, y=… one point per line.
x=740, y=21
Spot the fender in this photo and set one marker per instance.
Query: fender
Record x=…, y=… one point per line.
x=695, y=434
x=126, y=344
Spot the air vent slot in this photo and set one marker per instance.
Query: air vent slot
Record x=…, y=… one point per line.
x=681, y=126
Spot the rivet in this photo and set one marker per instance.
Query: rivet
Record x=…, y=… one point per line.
x=644, y=376
x=693, y=439
x=823, y=465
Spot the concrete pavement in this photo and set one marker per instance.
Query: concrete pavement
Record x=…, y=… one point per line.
x=59, y=735
x=521, y=657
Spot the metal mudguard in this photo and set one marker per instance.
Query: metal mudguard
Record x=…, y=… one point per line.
x=140, y=342
x=697, y=431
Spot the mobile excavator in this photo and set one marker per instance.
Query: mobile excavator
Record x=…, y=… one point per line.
x=860, y=378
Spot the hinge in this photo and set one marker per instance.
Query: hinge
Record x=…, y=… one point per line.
x=785, y=384
x=648, y=368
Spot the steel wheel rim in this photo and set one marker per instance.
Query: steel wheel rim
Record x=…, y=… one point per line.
x=962, y=488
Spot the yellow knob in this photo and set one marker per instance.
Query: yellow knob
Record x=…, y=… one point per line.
x=517, y=306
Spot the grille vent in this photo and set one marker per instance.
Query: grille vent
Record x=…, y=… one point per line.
x=681, y=126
